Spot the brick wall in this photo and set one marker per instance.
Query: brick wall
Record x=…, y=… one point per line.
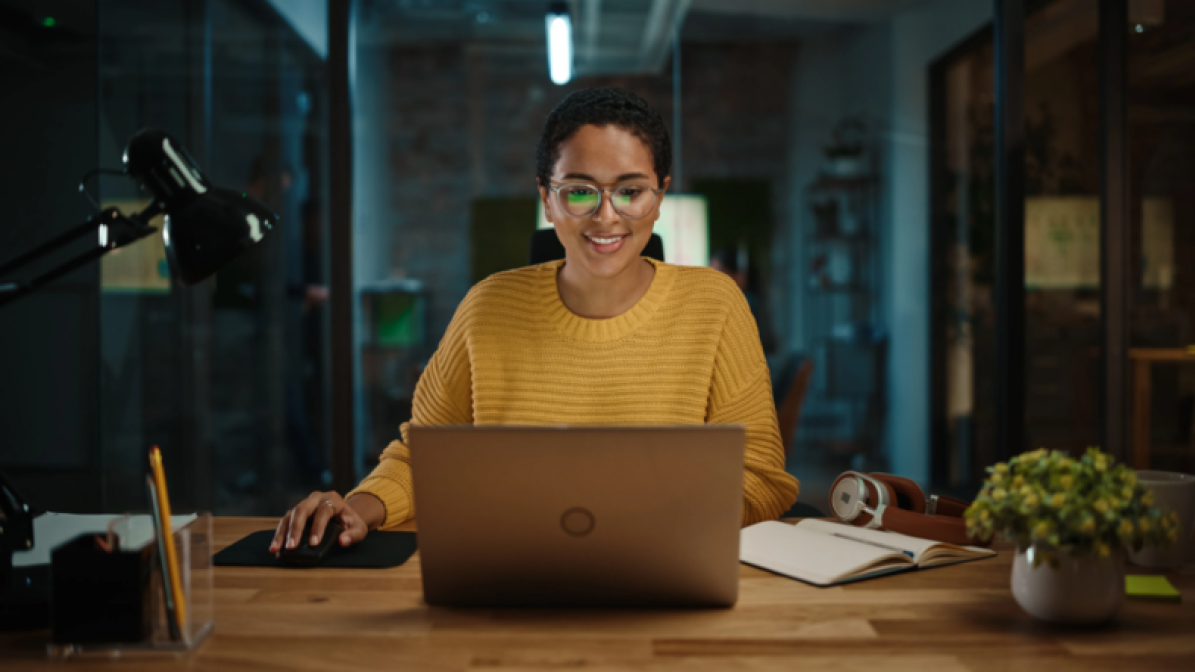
x=463, y=121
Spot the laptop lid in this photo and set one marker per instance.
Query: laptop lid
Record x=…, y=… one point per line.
x=579, y=516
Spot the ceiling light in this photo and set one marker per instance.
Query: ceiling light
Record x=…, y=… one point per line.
x=560, y=43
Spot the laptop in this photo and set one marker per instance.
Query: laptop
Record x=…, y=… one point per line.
x=579, y=516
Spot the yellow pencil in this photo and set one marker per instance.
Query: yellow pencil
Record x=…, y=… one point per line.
x=176, y=584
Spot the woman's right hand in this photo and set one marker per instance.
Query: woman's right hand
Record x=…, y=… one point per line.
x=320, y=507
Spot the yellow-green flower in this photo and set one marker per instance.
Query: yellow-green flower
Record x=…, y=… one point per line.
x=1048, y=496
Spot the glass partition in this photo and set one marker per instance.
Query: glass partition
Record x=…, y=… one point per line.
x=1062, y=244
x=228, y=377
x=1161, y=211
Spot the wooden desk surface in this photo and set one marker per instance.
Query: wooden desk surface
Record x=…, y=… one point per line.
x=951, y=618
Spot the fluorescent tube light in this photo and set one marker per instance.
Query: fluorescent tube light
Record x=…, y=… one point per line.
x=560, y=46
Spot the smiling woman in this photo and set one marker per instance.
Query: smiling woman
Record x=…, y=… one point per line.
x=603, y=337
x=601, y=142
x=603, y=236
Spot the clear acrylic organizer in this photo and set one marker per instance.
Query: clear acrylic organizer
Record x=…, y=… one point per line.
x=193, y=543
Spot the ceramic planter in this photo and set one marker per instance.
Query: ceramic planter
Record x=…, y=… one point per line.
x=1083, y=589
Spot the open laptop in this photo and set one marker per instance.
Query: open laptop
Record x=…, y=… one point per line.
x=579, y=516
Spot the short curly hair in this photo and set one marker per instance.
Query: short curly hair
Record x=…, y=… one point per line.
x=604, y=106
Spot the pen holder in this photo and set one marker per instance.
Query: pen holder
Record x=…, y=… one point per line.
x=113, y=603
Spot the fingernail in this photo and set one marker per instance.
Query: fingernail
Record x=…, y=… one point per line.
x=314, y=539
x=290, y=543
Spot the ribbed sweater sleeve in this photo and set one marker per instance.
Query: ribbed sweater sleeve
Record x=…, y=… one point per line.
x=443, y=396
x=741, y=393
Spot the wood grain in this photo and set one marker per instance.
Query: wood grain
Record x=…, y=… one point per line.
x=959, y=618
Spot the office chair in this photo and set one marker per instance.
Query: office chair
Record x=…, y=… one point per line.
x=789, y=412
x=787, y=416
x=545, y=247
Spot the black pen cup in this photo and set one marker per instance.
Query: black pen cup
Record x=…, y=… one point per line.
x=97, y=596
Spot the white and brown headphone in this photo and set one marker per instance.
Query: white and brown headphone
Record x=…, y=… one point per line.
x=895, y=503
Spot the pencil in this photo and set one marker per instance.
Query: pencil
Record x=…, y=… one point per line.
x=159, y=473
x=161, y=532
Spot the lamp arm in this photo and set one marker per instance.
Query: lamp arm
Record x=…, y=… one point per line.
x=48, y=246
x=114, y=230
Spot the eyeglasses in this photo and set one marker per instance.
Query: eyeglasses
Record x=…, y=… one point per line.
x=581, y=200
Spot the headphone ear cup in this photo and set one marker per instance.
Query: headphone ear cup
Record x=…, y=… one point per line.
x=847, y=504
x=907, y=494
x=939, y=528
x=890, y=491
x=848, y=496
x=887, y=498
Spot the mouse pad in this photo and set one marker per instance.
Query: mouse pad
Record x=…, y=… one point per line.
x=379, y=550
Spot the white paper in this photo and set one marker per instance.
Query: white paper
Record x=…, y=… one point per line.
x=885, y=539
x=808, y=555
x=50, y=530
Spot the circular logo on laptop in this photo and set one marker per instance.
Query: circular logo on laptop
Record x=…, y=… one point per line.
x=577, y=521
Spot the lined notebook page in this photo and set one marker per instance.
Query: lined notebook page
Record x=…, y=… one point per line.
x=915, y=545
x=811, y=556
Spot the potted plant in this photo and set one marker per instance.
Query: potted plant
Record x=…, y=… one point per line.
x=1071, y=520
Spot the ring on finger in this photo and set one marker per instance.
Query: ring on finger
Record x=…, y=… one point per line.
x=330, y=504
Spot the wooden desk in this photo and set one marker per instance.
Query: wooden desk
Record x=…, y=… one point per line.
x=1143, y=360
x=952, y=618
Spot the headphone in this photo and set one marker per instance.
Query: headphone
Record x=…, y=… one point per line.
x=895, y=503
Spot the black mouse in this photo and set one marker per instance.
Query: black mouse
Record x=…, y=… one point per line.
x=306, y=555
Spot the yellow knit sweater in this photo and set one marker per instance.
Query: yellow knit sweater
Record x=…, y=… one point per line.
x=687, y=353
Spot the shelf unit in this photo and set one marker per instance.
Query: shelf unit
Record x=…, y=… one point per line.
x=841, y=314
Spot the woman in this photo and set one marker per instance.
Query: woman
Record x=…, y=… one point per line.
x=604, y=337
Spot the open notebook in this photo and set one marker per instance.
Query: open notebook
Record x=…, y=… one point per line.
x=825, y=553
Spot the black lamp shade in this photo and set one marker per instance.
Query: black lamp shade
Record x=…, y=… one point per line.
x=206, y=226
x=208, y=232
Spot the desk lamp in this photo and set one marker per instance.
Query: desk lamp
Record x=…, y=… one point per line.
x=206, y=228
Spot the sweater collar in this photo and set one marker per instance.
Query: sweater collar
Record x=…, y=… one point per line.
x=587, y=330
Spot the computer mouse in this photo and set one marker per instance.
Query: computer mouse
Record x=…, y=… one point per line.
x=306, y=555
